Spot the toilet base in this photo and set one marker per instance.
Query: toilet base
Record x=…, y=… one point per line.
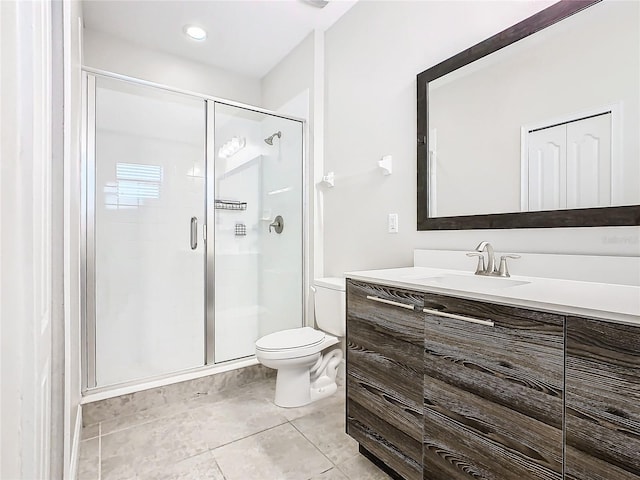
x=296, y=387
x=292, y=387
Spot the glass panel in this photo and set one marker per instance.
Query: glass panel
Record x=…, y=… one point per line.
x=258, y=273
x=149, y=183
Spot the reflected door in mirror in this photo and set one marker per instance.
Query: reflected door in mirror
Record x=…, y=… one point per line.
x=568, y=165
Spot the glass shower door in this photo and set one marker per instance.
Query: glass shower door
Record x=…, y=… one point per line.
x=258, y=266
x=147, y=181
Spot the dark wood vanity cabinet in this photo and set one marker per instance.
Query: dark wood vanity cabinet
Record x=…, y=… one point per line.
x=602, y=411
x=493, y=391
x=446, y=388
x=385, y=336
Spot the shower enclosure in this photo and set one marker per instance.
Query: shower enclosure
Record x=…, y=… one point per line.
x=193, y=214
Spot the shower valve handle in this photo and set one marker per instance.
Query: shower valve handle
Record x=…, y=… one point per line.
x=277, y=224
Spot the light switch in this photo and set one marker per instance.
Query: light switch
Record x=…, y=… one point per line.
x=392, y=223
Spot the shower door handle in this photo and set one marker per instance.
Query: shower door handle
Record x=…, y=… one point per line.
x=194, y=233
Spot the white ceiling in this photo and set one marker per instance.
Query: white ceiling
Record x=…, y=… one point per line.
x=244, y=36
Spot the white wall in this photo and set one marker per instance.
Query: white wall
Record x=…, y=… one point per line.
x=72, y=31
x=58, y=410
x=290, y=77
x=372, y=57
x=17, y=456
x=11, y=361
x=29, y=251
x=105, y=52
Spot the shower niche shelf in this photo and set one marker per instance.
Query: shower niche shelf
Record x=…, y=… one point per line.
x=230, y=205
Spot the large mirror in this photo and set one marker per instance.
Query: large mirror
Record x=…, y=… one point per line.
x=537, y=126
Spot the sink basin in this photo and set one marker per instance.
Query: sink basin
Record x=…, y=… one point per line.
x=463, y=282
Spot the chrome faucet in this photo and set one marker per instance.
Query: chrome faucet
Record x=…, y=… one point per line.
x=491, y=257
x=490, y=268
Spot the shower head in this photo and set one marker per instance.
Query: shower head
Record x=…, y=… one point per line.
x=269, y=140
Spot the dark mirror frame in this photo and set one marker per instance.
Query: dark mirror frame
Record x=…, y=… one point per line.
x=583, y=217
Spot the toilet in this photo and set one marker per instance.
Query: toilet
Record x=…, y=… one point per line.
x=306, y=365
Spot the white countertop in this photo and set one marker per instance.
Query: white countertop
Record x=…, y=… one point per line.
x=619, y=303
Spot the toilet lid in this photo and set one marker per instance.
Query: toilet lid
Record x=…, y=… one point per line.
x=293, y=338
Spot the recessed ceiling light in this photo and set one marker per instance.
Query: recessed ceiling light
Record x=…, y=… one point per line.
x=194, y=32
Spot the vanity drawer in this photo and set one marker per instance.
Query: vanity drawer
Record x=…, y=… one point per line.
x=387, y=309
x=385, y=341
x=385, y=338
x=493, y=391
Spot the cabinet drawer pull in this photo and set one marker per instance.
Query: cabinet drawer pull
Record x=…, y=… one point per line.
x=391, y=302
x=489, y=323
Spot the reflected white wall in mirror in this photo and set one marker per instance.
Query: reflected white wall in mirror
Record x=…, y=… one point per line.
x=477, y=112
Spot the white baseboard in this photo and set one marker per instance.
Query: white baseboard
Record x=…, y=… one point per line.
x=75, y=447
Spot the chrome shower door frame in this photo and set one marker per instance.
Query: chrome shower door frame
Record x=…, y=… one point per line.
x=210, y=216
x=87, y=226
x=87, y=222
x=210, y=268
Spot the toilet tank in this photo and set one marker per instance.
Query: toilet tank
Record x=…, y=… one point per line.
x=330, y=305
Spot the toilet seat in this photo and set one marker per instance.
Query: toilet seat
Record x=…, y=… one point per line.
x=293, y=343
x=292, y=338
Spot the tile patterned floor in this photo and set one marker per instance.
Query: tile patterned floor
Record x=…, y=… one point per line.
x=240, y=435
